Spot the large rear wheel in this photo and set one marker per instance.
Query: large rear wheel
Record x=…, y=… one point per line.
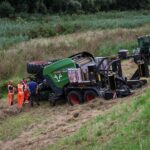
x=89, y=95
x=74, y=97
x=36, y=67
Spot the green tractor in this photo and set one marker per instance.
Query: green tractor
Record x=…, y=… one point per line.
x=56, y=75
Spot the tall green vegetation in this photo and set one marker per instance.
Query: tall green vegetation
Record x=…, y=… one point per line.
x=70, y=6
x=26, y=27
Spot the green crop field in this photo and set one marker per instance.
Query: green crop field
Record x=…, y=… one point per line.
x=26, y=27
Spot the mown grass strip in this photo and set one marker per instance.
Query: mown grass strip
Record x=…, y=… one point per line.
x=13, y=126
x=125, y=127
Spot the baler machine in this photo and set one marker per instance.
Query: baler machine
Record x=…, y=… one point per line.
x=81, y=77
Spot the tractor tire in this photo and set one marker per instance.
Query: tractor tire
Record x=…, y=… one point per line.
x=125, y=91
x=74, y=98
x=36, y=67
x=89, y=95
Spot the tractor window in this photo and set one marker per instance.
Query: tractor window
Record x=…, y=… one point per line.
x=144, y=42
x=81, y=61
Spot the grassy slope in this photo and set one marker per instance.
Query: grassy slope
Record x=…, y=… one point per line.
x=125, y=127
x=14, y=125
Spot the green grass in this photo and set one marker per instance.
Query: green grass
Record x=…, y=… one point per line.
x=112, y=48
x=125, y=127
x=13, y=126
x=28, y=27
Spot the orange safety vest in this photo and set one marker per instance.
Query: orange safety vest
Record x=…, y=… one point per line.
x=20, y=88
x=26, y=87
x=26, y=92
x=20, y=95
x=10, y=95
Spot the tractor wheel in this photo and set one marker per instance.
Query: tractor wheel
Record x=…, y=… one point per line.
x=74, y=98
x=124, y=91
x=89, y=95
x=36, y=67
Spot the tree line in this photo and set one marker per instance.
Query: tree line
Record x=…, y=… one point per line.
x=8, y=7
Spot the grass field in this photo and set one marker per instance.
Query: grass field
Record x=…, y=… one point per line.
x=102, y=34
x=26, y=27
x=100, y=125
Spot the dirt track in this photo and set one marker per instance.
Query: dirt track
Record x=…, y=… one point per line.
x=62, y=121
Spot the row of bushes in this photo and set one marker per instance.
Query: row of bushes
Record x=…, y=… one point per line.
x=9, y=7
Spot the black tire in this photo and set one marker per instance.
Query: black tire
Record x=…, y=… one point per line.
x=36, y=67
x=124, y=91
x=89, y=95
x=74, y=98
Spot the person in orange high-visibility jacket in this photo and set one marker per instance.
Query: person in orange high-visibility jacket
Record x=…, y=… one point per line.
x=20, y=94
x=11, y=91
x=26, y=92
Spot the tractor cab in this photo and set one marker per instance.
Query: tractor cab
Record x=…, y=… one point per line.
x=144, y=47
x=144, y=42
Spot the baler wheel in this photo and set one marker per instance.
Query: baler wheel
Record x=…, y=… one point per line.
x=36, y=67
x=74, y=97
x=89, y=95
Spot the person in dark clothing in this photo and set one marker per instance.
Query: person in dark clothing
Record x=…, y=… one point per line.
x=33, y=93
x=40, y=88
